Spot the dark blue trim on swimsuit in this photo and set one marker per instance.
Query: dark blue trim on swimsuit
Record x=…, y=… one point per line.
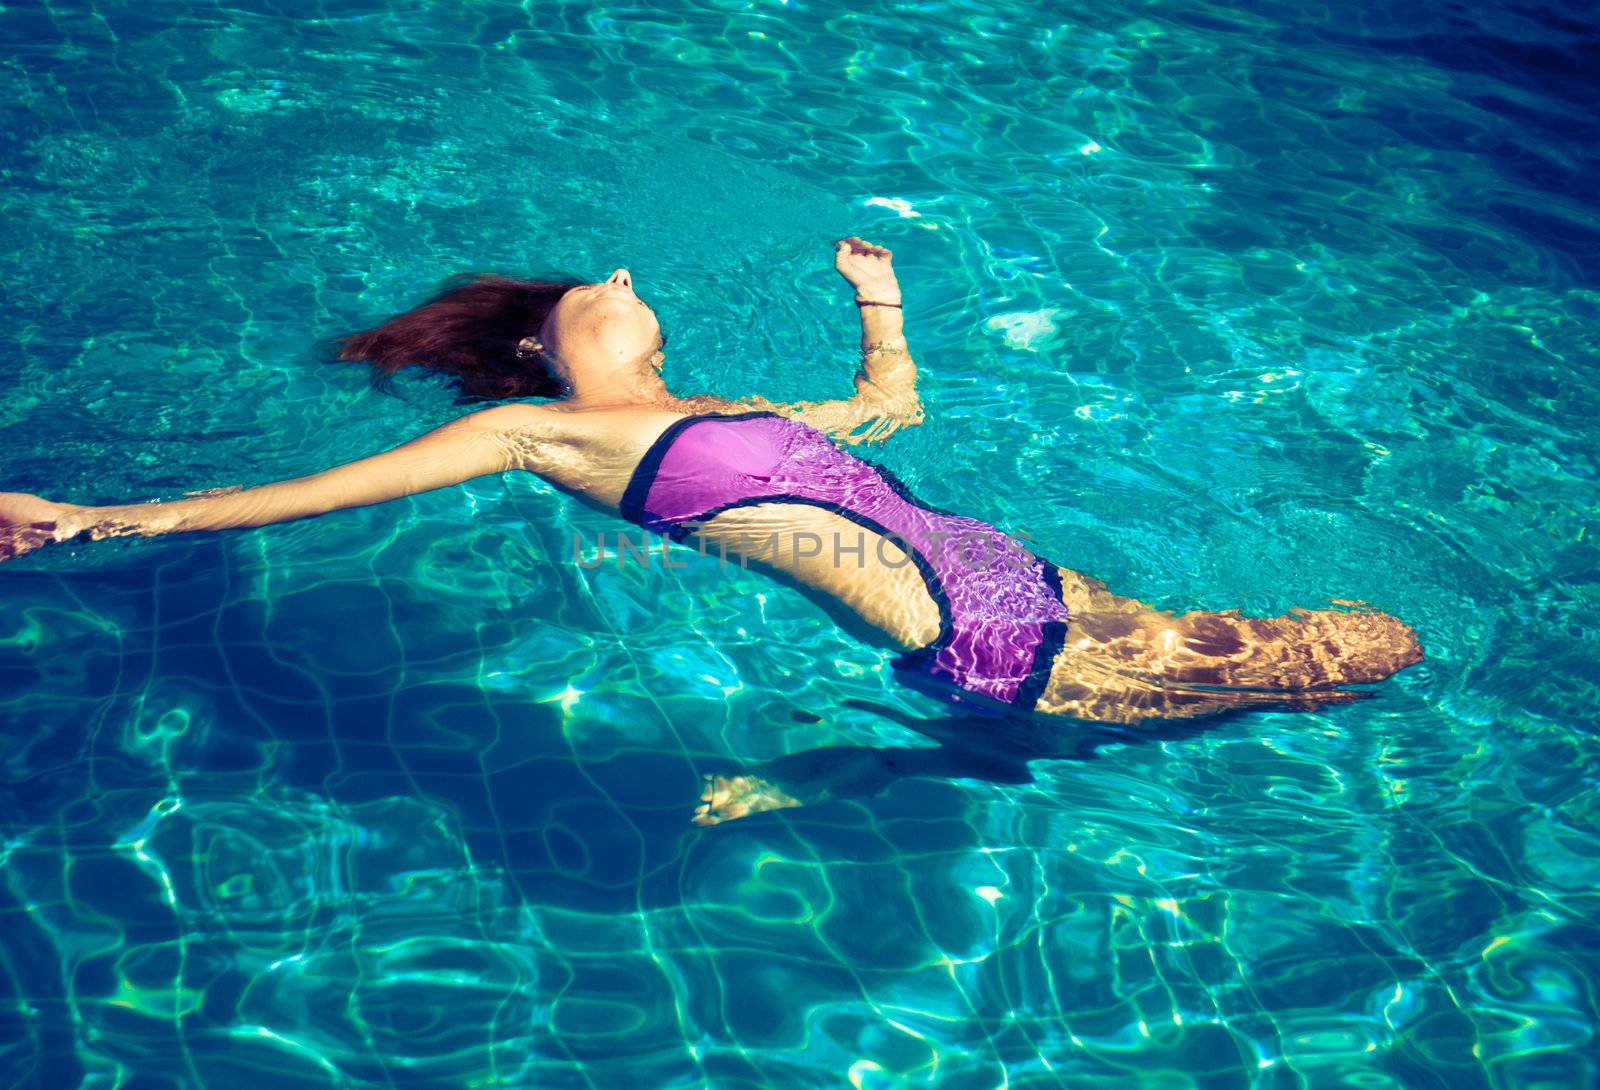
x=631, y=505
x=904, y=492
x=1052, y=638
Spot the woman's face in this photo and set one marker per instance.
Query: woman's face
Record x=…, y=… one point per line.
x=604, y=326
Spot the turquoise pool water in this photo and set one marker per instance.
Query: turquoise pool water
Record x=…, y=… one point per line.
x=1225, y=307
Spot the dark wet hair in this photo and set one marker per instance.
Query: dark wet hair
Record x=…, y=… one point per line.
x=468, y=330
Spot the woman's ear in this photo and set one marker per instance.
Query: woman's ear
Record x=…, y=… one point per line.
x=658, y=359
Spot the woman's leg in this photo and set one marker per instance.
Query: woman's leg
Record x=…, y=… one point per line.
x=1128, y=662
x=1086, y=687
x=1301, y=649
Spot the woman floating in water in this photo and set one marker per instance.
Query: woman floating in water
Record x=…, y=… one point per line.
x=978, y=619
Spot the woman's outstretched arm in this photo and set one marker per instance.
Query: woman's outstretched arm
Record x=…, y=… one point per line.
x=886, y=383
x=491, y=441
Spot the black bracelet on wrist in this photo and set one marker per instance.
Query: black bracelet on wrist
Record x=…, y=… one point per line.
x=860, y=302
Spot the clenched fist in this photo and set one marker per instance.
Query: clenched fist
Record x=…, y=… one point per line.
x=867, y=268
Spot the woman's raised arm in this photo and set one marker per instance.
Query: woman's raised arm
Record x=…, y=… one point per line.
x=886, y=383
x=491, y=441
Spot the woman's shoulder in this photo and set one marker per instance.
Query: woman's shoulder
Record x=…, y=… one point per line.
x=622, y=426
x=592, y=426
x=609, y=416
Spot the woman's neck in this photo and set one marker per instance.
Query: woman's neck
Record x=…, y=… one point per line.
x=646, y=390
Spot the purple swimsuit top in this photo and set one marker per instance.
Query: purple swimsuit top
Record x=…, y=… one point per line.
x=1000, y=607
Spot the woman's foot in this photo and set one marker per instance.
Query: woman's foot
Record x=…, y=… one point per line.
x=727, y=797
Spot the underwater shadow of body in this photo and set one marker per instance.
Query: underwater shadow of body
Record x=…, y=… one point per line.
x=975, y=747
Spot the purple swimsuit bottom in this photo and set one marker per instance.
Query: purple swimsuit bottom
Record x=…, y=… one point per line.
x=1001, y=617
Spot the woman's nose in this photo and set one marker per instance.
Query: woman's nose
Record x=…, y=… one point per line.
x=621, y=277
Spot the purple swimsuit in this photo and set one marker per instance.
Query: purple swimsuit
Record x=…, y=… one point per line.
x=1001, y=616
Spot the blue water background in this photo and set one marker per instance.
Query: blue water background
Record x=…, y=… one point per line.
x=1226, y=307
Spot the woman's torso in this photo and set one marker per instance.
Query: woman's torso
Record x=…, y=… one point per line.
x=600, y=450
x=828, y=528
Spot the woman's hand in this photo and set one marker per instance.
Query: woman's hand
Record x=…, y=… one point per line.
x=28, y=521
x=887, y=418
x=867, y=268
